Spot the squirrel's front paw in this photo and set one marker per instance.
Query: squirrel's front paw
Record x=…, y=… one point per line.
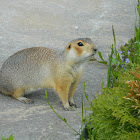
x=73, y=105
x=67, y=107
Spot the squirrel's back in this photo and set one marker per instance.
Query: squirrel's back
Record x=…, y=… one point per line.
x=28, y=67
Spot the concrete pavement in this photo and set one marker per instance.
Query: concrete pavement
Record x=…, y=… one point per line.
x=52, y=23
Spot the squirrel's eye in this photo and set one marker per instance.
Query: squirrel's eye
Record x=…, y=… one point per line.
x=80, y=44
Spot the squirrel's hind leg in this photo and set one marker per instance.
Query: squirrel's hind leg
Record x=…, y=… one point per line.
x=25, y=100
x=18, y=95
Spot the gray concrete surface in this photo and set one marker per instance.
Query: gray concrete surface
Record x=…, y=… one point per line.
x=53, y=23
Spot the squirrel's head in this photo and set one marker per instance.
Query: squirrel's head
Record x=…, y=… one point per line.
x=81, y=49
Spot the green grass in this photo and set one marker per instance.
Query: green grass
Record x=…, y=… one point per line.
x=115, y=113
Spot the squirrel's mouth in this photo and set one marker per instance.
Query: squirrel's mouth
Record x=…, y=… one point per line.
x=93, y=54
x=90, y=56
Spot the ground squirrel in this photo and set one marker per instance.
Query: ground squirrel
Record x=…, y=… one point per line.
x=41, y=67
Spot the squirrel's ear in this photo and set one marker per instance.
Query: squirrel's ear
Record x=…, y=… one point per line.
x=69, y=46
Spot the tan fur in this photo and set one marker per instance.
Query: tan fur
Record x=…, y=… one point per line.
x=40, y=67
x=18, y=92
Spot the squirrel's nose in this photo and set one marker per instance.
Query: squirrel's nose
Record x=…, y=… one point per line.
x=95, y=50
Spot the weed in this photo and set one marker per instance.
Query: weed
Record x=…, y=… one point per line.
x=62, y=118
x=10, y=138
